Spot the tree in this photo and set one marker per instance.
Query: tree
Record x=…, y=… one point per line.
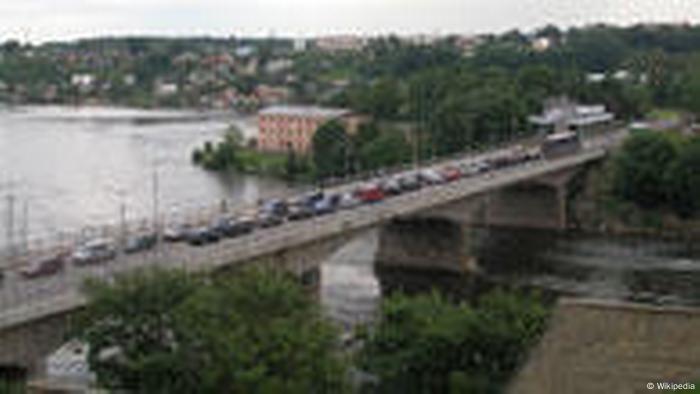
x=426, y=344
x=640, y=169
x=387, y=149
x=684, y=180
x=331, y=150
x=163, y=331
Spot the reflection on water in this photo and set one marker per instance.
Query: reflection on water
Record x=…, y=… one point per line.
x=349, y=288
x=640, y=269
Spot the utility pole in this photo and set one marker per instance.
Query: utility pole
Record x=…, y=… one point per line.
x=25, y=227
x=122, y=221
x=156, y=207
x=11, y=224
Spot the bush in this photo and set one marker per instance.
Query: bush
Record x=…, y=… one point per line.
x=426, y=344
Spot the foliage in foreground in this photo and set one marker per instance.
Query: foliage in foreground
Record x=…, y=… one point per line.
x=162, y=331
x=426, y=344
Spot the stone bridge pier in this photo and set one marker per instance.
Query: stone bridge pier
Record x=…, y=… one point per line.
x=440, y=239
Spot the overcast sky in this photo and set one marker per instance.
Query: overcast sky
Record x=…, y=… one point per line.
x=42, y=20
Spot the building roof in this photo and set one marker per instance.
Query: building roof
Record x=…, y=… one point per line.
x=578, y=115
x=304, y=111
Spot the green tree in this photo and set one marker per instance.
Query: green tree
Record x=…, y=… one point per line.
x=331, y=150
x=166, y=331
x=684, y=180
x=426, y=344
x=640, y=169
x=387, y=149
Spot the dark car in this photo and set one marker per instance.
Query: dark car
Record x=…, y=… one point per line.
x=267, y=220
x=409, y=182
x=275, y=207
x=310, y=199
x=232, y=227
x=299, y=212
x=324, y=206
x=140, y=243
x=93, y=252
x=202, y=236
x=45, y=266
x=225, y=227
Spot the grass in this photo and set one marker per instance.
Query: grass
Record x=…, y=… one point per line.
x=664, y=114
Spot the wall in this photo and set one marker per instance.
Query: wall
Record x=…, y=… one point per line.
x=606, y=347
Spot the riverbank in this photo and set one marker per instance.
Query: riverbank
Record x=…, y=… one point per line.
x=594, y=208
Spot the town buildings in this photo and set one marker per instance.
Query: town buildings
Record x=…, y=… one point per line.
x=283, y=128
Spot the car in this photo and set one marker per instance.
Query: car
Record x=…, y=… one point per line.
x=299, y=212
x=348, y=201
x=44, y=266
x=409, y=182
x=275, y=207
x=391, y=187
x=370, y=193
x=202, y=236
x=451, y=174
x=232, y=227
x=93, y=252
x=469, y=169
x=176, y=233
x=140, y=243
x=429, y=177
x=311, y=198
x=323, y=206
x=267, y=220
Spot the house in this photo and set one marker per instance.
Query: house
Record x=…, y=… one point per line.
x=283, y=128
x=340, y=43
x=164, y=89
x=272, y=95
x=83, y=81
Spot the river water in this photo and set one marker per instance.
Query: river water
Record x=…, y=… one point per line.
x=67, y=168
x=639, y=269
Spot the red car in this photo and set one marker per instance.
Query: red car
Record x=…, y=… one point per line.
x=370, y=193
x=451, y=174
x=44, y=267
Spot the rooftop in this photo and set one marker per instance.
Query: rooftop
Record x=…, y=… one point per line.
x=305, y=111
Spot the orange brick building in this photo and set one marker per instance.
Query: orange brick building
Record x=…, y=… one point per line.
x=293, y=127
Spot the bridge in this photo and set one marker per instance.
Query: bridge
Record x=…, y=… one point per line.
x=426, y=228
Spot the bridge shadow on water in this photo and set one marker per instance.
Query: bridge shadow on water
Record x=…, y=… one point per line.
x=652, y=270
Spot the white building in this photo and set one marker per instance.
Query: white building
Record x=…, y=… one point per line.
x=165, y=89
x=563, y=115
x=82, y=80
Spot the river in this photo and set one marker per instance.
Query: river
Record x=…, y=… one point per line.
x=66, y=168
x=634, y=268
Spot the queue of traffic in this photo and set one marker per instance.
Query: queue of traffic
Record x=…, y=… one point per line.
x=275, y=212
